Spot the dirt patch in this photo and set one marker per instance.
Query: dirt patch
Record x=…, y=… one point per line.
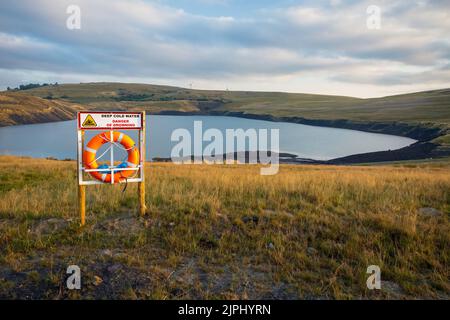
x=192, y=280
x=392, y=289
x=123, y=224
x=430, y=212
x=49, y=226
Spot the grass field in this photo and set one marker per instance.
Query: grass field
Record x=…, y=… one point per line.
x=309, y=232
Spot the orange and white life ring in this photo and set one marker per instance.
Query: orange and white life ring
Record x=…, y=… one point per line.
x=90, y=160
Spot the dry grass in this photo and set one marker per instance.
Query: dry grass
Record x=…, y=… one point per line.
x=227, y=232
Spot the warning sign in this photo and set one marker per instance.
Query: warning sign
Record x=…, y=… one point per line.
x=89, y=122
x=109, y=120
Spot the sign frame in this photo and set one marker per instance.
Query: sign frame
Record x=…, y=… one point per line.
x=82, y=183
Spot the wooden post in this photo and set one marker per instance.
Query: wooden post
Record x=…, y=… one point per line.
x=141, y=186
x=81, y=188
x=82, y=203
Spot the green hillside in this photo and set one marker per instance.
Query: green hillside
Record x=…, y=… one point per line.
x=428, y=109
x=429, y=106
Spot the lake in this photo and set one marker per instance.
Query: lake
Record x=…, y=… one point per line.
x=58, y=139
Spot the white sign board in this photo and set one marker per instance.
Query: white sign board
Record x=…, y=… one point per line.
x=131, y=170
x=113, y=121
x=109, y=120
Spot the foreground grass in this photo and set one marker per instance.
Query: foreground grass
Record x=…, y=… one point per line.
x=226, y=232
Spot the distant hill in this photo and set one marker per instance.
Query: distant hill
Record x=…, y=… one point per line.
x=58, y=102
x=425, y=106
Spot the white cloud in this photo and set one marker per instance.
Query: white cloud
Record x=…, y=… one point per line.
x=296, y=48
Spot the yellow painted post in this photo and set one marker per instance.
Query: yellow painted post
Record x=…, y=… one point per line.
x=82, y=203
x=81, y=188
x=141, y=186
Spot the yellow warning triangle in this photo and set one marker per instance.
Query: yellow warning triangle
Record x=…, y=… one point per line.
x=89, y=122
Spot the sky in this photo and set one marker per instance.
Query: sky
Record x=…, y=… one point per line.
x=353, y=48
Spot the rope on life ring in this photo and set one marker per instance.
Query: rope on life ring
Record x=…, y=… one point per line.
x=90, y=156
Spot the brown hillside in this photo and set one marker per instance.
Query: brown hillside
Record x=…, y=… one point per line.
x=18, y=108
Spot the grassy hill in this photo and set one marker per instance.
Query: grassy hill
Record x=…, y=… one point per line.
x=426, y=109
x=426, y=106
x=19, y=108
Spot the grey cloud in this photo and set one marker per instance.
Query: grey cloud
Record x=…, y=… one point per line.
x=433, y=76
x=158, y=41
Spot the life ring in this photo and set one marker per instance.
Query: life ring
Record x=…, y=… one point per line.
x=90, y=152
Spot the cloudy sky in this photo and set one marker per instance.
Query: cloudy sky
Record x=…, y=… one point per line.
x=286, y=45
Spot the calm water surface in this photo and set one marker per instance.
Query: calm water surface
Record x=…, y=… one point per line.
x=58, y=139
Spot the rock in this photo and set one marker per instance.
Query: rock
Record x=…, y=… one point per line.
x=97, y=281
x=268, y=212
x=50, y=226
x=114, y=268
x=270, y=246
x=176, y=292
x=107, y=252
x=311, y=251
x=247, y=219
x=281, y=291
x=391, y=288
x=430, y=212
x=206, y=243
x=120, y=255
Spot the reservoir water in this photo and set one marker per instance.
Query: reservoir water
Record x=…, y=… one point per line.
x=58, y=139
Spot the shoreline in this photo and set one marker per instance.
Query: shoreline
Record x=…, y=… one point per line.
x=417, y=132
x=422, y=149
